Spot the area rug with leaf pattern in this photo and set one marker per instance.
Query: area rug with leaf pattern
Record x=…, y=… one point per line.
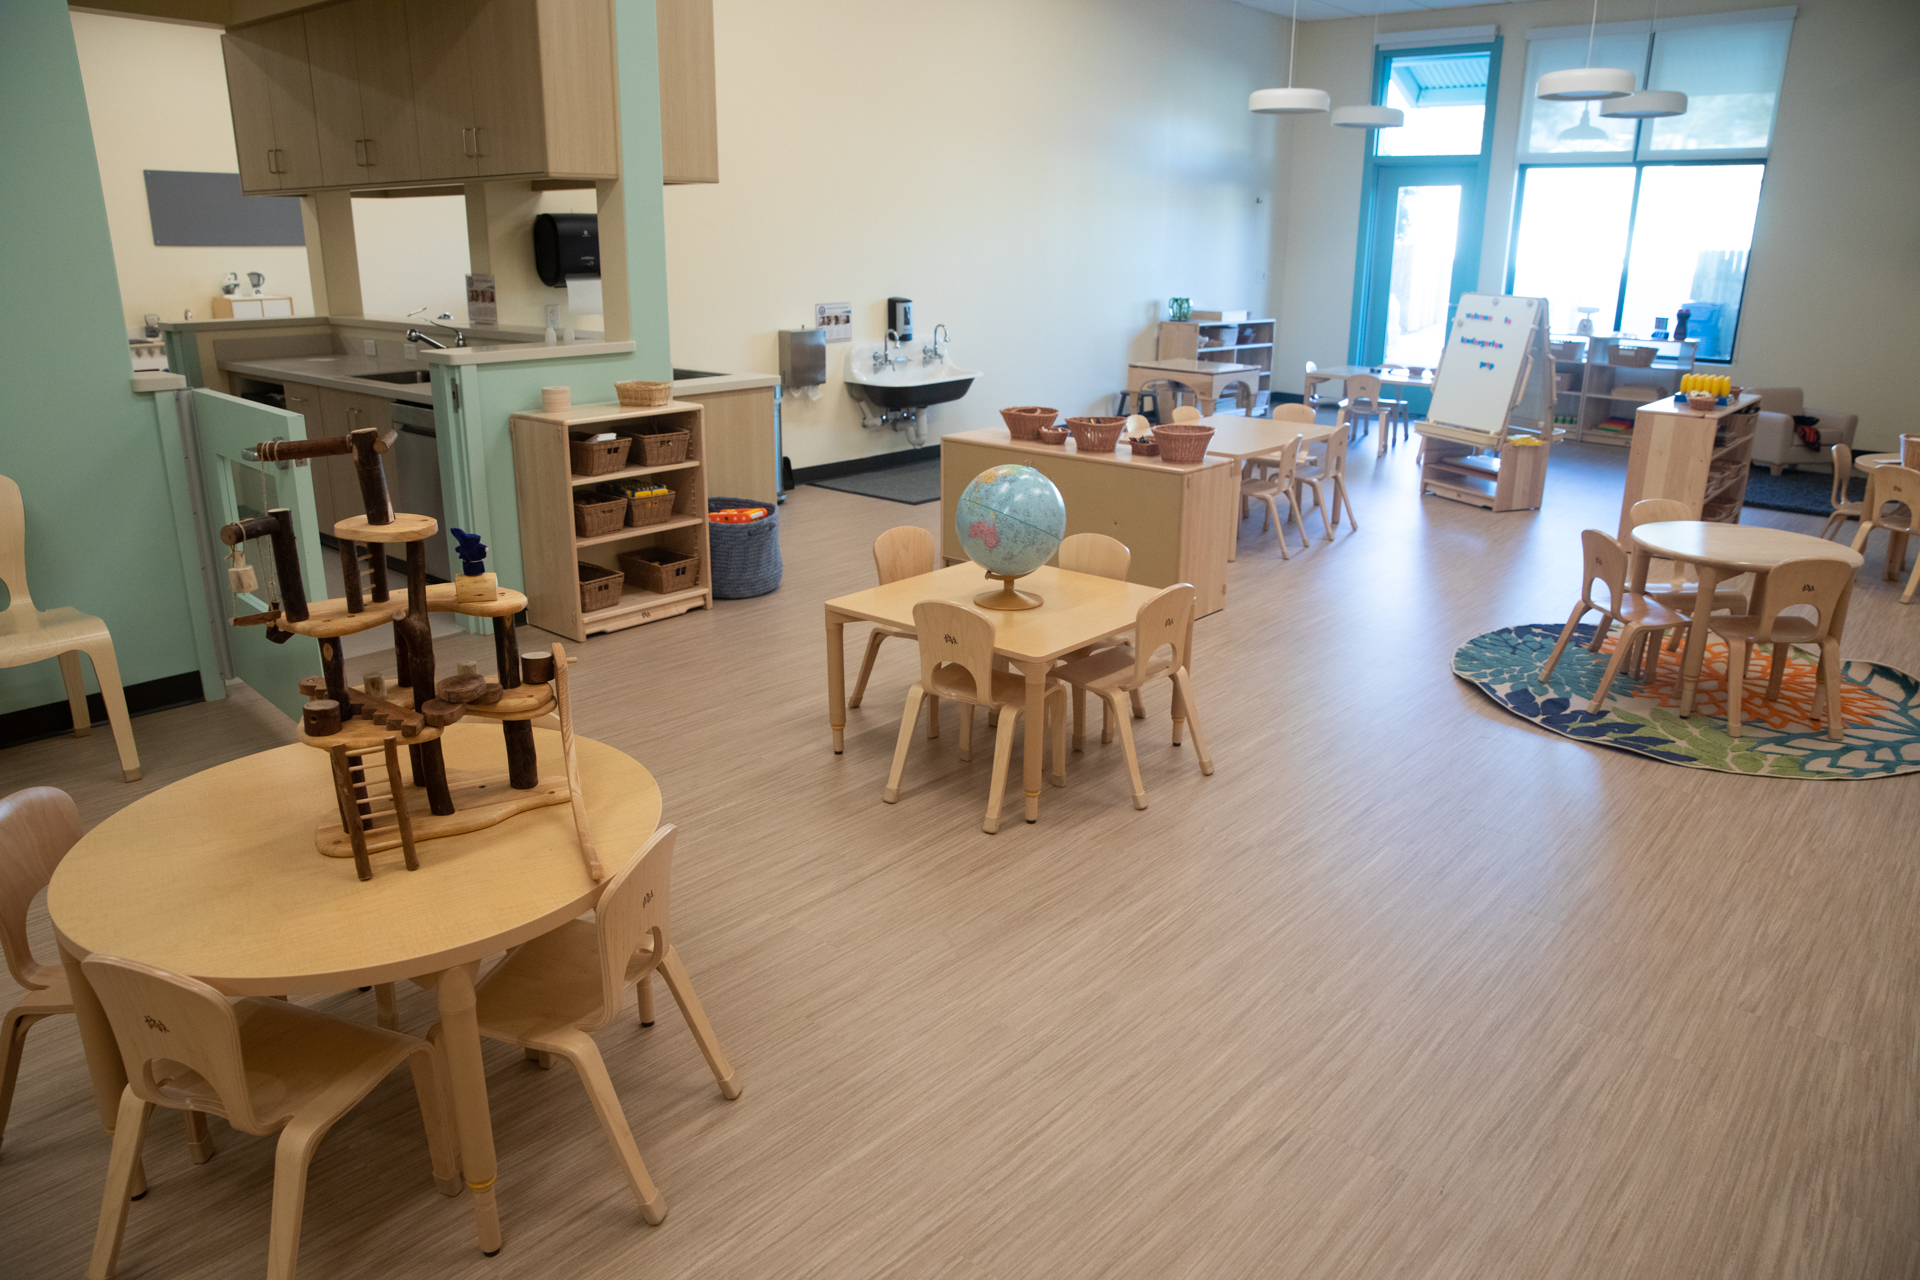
x=1781, y=738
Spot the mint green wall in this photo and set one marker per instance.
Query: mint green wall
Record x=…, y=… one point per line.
x=85, y=450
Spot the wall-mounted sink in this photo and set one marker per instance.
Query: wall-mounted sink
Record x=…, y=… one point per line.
x=402, y=377
x=910, y=386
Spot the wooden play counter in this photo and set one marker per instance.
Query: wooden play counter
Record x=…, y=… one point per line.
x=1173, y=517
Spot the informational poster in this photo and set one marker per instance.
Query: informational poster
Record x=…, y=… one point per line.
x=835, y=320
x=482, y=311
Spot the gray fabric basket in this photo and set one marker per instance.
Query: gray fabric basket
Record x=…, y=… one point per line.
x=746, y=557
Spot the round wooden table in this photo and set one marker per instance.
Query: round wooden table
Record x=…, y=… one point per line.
x=1865, y=463
x=217, y=877
x=1720, y=551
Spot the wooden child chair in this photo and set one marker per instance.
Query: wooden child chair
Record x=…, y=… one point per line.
x=551, y=994
x=37, y=827
x=266, y=1065
x=1636, y=614
x=1843, y=510
x=1186, y=413
x=1887, y=486
x=1818, y=583
x=1103, y=557
x=1277, y=483
x=956, y=663
x=903, y=552
x=29, y=635
x=1163, y=623
x=1330, y=468
x=1365, y=401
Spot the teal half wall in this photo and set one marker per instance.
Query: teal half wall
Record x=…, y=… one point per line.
x=83, y=447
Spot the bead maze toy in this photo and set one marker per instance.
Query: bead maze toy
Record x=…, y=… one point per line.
x=362, y=728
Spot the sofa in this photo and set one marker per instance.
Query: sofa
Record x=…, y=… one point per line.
x=1775, y=442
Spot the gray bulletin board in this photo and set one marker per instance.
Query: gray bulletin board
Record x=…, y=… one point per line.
x=208, y=209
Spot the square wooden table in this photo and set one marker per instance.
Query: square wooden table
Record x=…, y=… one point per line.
x=1209, y=380
x=1079, y=610
x=1241, y=439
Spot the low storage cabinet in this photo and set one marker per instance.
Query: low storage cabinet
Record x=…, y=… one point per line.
x=552, y=549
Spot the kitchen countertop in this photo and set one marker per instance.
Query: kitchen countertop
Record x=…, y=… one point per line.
x=340, y=372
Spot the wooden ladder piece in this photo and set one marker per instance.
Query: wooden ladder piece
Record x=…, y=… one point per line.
x=365, y=809
x=575, y=796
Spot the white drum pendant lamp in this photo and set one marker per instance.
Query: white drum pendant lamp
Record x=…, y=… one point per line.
x=1290, y=101
x=1588, y=83
x=1369, y=117
x=1648, y=104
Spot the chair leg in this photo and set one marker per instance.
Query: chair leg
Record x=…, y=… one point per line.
x=912, y=713
x=1079, y=717
x=933, y=717
x=1056, y=704
x=1613, y=669
x=129, y=1128
x=1777, y=669
x=1139, y=705
x=1279, y=526
x=106, y=671
x=442, y=1145
x=1736, y=679
x=19, y=1022
x=966, y=731
x=1345, y=503
x=1106, y=722
x=540, y=1058
x=681, y=985
x=578, y=1048
x=199, y=1137
x=1566, y=634
x=1185, y=685
x=1002, y=754
x=1133, y=755
x=76, y=693
x=1913, y=580
x=292, y=1156
x=1836, y=723
x=386, y=1006
x=866, y=666
x=645, y=989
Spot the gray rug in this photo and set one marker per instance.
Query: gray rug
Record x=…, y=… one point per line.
x=913, y=483
x=1806, y=492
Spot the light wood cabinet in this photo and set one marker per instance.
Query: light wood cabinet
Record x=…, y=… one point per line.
x=363, y=93
x=689, y=124
x=271, y=90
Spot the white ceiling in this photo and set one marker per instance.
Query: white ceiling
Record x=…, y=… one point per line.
x=1315, y=9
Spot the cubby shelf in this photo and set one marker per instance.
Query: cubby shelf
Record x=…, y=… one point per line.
x=1252, y=344
x=1587, y=365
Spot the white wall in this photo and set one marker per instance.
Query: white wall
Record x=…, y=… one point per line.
x=157, y=98
x=1835, y=264
x=413, y=254
x=1040, y=177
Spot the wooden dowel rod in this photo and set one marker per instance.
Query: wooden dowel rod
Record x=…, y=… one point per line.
x=373, y=480
x=350, y=574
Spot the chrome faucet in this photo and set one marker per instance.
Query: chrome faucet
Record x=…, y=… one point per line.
x=459, y=338
x=936, y=351
x=883, y=359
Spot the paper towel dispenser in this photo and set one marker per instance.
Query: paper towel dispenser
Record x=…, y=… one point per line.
x=803, y=358
x=566, y=244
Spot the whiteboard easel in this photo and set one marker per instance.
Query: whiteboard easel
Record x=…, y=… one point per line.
x=1491, y=394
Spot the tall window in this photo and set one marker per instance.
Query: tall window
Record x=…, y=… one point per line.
x=1626, y=222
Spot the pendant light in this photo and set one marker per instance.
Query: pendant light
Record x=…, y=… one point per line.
x=1370, y=117
x=1290, y=101
x=1648, y=104
x=1586, y=130
x=1588, y=83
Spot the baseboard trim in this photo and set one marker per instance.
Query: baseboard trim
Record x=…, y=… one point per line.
x=31, y=724
x=855, y=466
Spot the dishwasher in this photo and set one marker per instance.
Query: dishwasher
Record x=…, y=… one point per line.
x=416, y=487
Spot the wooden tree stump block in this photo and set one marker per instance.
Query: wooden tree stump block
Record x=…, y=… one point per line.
x=439, y=714
x=461, y=688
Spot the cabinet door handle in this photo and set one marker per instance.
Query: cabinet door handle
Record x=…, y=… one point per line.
x=360, y=152
x=271, y=166
x=478, y=150
x=371, y=152
x=466, y=143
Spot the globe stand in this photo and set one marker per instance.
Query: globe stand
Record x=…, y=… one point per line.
x=1006, y=597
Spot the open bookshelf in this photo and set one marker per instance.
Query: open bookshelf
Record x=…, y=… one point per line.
x=1595, y=396
x=1221, y=341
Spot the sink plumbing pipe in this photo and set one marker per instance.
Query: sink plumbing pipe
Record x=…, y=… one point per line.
x=906, y=421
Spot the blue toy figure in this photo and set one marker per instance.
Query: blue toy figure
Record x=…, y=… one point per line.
x=472, y=552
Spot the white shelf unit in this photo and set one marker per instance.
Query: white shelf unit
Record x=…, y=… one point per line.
x=1590, y=386
x=1222, y=342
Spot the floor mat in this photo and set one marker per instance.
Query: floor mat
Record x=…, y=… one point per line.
x=1806, y=492
x=913, y=483
x=1880, y=706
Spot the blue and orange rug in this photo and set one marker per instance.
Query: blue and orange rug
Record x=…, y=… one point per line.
x=1782, y=739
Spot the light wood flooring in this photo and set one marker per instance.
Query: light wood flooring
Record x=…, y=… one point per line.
x=1406, y=989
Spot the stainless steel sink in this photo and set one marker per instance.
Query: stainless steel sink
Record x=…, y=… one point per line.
x=403, y=377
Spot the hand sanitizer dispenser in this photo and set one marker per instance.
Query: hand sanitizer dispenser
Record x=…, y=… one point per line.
x=900, y=318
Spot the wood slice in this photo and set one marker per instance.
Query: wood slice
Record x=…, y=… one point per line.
x=440, y=714
x=321, y=717
x=477, y=805
x=461, y=688
x=406, y=527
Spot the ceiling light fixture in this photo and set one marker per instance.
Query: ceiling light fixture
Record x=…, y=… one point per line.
x=1370, y=117
x=1586, y=130
x=1588, y=83
x=1291, y=101
x=1648, y=104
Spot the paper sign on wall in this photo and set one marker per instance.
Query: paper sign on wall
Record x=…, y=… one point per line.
x=483, y=312
x=835, y=320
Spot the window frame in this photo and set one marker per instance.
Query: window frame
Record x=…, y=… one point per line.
x=1473, y=195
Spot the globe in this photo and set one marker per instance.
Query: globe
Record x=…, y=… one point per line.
x=1010, y=521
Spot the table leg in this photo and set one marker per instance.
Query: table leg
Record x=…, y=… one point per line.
x=467, y=1074
x=1696, y=635
x=1036, y=674
x=837, y=680
x=104, y=1064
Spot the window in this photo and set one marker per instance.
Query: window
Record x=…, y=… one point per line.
x=1625, y=222
x=1444, y=96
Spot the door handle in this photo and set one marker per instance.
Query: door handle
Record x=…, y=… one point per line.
x=466, y=143
x=372, y=154
x=360, y=152
x=271, y=166
x=478, y=149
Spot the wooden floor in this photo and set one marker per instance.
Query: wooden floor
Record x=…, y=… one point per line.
x=1406, y=989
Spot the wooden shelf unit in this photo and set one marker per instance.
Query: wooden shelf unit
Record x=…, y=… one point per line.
x=1598, y=388
x=1701, y=458
x=544, y=485
x=1221, y=341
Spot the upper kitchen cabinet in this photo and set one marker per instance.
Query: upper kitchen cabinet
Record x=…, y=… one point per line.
x=363, y=93
x=689, y=130
x=506, y=88
x=272, y=97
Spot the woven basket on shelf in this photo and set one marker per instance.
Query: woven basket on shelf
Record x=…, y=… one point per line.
x=643, y=395
x=1096, y=435
x=1025, y=420
x=652, y=509
x=594, y=515
x=599, y=588
x=597, y=457
x=745, y=557
x=1183, y=443
x=1053, y=435
x=661, y=569
x=662, y=446
x=1634, y=357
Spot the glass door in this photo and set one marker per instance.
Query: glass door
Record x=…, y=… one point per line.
x=1424, y=252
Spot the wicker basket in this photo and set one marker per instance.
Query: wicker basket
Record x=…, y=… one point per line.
x=643, y=395
x=745, y=557
x=597, y=457
x=661, y=569
x=652, y=509
x=662, y=446
x=599, y=588
x=1183, y=444
x=1052, y=435
x=1144, y=447
x=594, y=515
x=1025, y=420
x=1096, y=435
x=1634, y=357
